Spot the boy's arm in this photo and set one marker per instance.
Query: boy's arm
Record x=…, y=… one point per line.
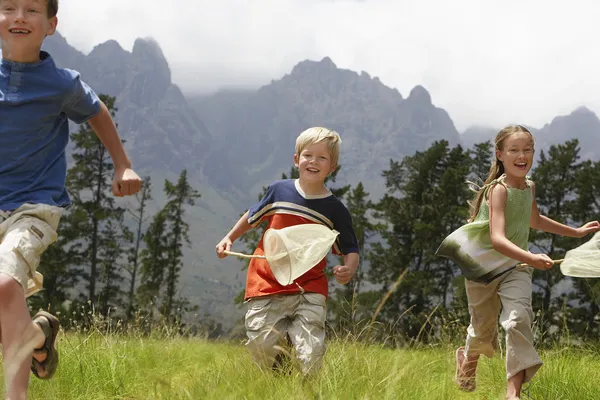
x=126, y=181
x=344, y=273
x=543, y=223
x=240, y=227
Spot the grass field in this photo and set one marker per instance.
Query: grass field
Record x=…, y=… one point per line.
x=96, y=366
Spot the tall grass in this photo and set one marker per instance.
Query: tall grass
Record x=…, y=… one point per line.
x=103, y=359
x=99, y=366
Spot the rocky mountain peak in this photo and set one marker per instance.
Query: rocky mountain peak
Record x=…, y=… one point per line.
x=420, y=95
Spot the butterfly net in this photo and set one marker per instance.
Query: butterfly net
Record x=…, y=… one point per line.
x=294, y=250
x=583, y=261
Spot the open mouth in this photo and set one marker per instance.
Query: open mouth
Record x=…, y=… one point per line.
x=313, y=170
x=19, y=31
x=521, y=165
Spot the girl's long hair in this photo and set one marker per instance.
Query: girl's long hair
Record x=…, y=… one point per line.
x=497, y=168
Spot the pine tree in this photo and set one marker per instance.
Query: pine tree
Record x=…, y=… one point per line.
x=139, y=216
x=345, y=303
x=179, y=195
x=583, y=318
x=555, y=189
x=426, y=200
x=60, y=267
x=481, y=156
x=89, y=181
x=111, y=240
x=153, y=259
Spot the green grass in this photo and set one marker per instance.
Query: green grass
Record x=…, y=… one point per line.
x=120, y=367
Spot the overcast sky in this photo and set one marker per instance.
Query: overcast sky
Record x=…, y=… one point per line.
x=486, y=62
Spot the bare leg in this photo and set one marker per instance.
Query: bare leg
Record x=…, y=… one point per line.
x=19, y=336
x=513, y=386
x=466, y=369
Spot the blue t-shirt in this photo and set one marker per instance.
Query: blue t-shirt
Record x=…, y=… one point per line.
x=36, y=102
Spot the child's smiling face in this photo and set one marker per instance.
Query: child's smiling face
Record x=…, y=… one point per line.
x=314, y=162
x=516, y=154
x=23, y=26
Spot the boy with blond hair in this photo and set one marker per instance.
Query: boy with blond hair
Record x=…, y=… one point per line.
x=37, y=100
x=296, y=312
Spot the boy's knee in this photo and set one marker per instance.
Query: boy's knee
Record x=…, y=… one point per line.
x=263, y=352
x=260, y=344
x=311, y=363
x=9, y=289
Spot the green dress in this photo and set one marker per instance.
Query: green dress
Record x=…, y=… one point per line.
x=470, y=246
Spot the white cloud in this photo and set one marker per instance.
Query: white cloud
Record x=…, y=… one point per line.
x=485, y=62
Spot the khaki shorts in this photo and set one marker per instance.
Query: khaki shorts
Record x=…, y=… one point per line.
x=301, y=317
x=25, y=234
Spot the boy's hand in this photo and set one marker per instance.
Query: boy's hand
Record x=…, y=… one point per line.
x=343, y=274
x=224, y=244
x=126, y=182
x=541, y=261
x=590, y=227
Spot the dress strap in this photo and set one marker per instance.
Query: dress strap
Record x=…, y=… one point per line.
x=498, y=180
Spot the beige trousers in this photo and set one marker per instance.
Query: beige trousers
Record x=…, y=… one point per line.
x=510, y=297
x=25, y=234
x=301, y=317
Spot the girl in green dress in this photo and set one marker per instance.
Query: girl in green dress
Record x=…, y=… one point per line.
x=488, y=249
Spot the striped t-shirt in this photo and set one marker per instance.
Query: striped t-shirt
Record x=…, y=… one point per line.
x=285, y=205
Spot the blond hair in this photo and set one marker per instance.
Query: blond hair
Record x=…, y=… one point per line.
x=497, y=168
x=316, y=135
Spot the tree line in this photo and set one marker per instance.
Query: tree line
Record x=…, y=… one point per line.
x=104, y=257
x=425, y=200
x=125, y=259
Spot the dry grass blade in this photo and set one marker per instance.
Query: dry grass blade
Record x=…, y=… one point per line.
x=387, y=295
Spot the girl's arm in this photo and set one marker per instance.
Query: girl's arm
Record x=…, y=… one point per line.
x=497, y=201
x=543, y=223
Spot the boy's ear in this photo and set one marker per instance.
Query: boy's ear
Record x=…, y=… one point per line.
x=296, y=160
x=52, y=24
x=333, y=168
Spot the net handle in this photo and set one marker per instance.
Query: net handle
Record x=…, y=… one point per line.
x=233, y=253
x=553, y=262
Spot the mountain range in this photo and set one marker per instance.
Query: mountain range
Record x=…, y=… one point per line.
x=233, y=143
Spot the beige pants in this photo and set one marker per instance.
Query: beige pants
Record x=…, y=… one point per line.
x=299, y=316
x=509, y=296
x=25, y=234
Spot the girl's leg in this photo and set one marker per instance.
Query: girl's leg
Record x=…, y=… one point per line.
x=513, y=386
x=522, y=360
x=482, y=333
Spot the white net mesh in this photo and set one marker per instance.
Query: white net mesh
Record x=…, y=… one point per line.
x=294, y=250
x=583, y=261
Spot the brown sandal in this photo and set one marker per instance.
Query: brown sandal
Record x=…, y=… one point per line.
x=465, y=383
x=49, y=325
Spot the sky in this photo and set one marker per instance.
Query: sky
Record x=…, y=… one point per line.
x=486, y=62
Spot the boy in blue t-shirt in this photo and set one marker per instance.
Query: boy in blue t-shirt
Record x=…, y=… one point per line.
x=37, y=99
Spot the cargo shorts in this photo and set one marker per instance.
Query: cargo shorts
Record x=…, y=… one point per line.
x=25, y=233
